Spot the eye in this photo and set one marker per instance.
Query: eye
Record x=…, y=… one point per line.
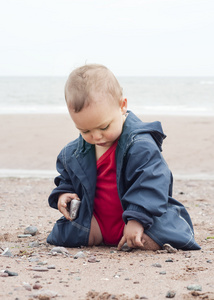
x=105, y=128
x=85, y=132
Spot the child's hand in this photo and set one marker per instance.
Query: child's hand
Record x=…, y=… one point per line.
x=63, y=201
x=132, y=235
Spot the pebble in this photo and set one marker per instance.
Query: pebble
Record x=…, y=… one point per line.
x=126, y=248
x=194, y=287
x=51, y=267
x=10, y=273
x=34, y=244
x=79, y=254
x=37, y=286
x=3, y=274
x=170, y=294
x=92, y=259
x=61, y=250
x=157, y=265
x=27, y=286
x=169, y=248
x=42, y=263
x=163, y=273
x=33, y=259
x=7, y=253
x=24, y=235
x=169, y=260
x=44, y=294
x=39, y=269
x=31, y=230
x=209, y=261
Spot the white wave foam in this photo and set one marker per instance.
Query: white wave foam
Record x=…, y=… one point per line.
x=138, y=109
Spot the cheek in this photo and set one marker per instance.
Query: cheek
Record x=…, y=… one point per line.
x=86, y=138
x=114, y=134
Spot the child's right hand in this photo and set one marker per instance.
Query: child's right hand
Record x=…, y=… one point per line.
x=63, y=201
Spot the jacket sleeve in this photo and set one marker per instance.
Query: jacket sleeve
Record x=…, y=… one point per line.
x=63, y=182
x=147, y=180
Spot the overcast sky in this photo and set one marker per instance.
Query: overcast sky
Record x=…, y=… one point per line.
x=131, y=37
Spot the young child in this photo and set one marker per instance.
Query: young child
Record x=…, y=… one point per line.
x=117, y=171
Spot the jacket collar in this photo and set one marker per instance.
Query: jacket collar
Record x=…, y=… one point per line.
x=133, y=126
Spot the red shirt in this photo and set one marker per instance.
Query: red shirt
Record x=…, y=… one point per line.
x=107, y=206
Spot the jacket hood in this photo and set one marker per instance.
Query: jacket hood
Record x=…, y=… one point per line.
x=133, y=126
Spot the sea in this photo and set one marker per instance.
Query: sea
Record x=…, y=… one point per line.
x=146, y=95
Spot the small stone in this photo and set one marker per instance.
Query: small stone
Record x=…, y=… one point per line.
x=42, y=263
x=31, y=230
x=79, y=254
x=11, y=273
x=27, y=286
x=39, y=269
x=126, y=248
x=209, y=261
x=92, y=259
x=163, y=273
x=169, y=260
x=3, y=274
x=170, y=294
x=51, y=267
x=34, y=244
x=33, y=259
x=7, y=253
x=194, y=287
x=61, y=250
x=37, y=286
x=23, y=236
x=169, y=248
x=44, y=294
x=157, y=265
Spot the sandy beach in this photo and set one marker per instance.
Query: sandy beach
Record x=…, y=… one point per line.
x=28, y=151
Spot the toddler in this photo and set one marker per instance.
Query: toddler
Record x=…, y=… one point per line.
x=116, y=169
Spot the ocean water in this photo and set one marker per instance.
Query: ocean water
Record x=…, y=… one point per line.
x=146, y=95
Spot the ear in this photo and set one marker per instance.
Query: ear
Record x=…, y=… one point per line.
x=123, y=105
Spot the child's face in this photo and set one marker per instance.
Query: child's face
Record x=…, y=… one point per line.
x=101, y=123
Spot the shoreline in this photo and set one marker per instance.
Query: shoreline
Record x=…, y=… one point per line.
x=48, y=174
x=31, y=142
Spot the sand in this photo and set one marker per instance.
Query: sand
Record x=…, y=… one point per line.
x=29, y=146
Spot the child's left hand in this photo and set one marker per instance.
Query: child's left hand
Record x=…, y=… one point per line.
x=132, y=235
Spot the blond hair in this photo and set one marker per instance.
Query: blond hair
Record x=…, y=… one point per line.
x=87, y=79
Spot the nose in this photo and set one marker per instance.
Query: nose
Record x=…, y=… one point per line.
x=96, y=135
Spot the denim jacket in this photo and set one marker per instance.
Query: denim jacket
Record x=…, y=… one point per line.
x=144, y=184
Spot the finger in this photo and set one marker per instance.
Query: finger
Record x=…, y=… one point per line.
x=138, y=243
x=121, y=243
x=130, y=243
x=65, y=212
